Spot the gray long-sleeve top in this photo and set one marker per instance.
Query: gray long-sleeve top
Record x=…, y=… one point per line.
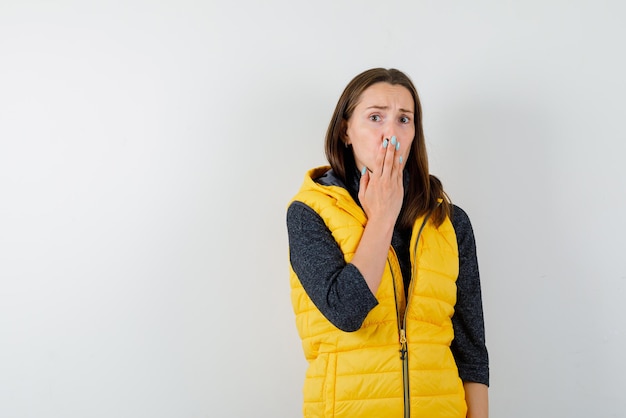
x=340, y=292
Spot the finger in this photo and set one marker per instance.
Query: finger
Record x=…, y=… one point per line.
x=380, y=158
x=399, y=169
x=398, y=161
x=363, y=182
x=388, y=167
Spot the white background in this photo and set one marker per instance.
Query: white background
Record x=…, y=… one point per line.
x=148, y=150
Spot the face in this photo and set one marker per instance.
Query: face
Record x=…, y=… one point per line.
x=384, y=110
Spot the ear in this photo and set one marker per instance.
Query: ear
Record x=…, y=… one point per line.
x=344, y=132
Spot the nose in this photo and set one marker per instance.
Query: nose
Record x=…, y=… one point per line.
x=390, y=132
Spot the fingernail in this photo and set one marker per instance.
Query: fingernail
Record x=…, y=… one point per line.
x=385, y=142
x=393, y=140
x=363, y=170
x=401, y=159
x=397, y=145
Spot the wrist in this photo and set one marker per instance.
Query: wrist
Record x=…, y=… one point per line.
x=380, y=226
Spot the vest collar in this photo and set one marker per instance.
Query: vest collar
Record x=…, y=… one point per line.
x=323, y=178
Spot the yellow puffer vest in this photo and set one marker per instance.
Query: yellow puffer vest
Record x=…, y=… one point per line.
x=370, y=372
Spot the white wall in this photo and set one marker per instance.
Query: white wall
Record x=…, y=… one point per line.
x=148, y=151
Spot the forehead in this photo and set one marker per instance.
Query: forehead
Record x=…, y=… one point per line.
x=385, y=94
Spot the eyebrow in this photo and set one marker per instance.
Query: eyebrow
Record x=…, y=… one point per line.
x=387, y=107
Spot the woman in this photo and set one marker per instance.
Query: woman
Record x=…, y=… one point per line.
x=384, y=275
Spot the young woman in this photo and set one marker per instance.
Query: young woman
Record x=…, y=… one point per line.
x=384, y=274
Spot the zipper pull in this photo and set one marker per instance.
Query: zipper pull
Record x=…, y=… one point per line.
x=403, y=349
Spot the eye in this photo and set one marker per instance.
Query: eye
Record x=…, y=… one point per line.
x=375, y=118
x=405, y=119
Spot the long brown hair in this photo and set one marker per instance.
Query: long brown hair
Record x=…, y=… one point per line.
x=425, y=191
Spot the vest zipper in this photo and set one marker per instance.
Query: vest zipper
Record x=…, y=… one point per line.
x=403, y=346
x=404, y=356
x=404, y=352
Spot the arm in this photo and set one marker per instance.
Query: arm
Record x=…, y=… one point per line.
x=337, y=289
x=476, y=397
x=344, y=293
x=468, y=346
x=371, y=254
x=381, y=193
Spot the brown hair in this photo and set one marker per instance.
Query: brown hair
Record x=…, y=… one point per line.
x=425, y=190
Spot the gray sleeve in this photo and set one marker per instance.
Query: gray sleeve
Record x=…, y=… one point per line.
x=337, y=288
x=468, y=346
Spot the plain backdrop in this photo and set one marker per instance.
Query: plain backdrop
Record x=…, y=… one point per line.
x=149, y=149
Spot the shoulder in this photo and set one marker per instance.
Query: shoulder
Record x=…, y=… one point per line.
x=462, y=226
x=460, y=219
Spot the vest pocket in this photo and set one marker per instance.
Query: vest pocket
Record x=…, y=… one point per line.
x=329, y=386
x=319, y=387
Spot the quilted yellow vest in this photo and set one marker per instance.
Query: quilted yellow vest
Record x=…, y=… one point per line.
x=399, y=363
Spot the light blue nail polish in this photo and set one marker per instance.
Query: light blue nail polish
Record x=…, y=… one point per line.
x=385, y=142
x=394, y=140
x=398, y=146
x=363, y=170
x=401, y=159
